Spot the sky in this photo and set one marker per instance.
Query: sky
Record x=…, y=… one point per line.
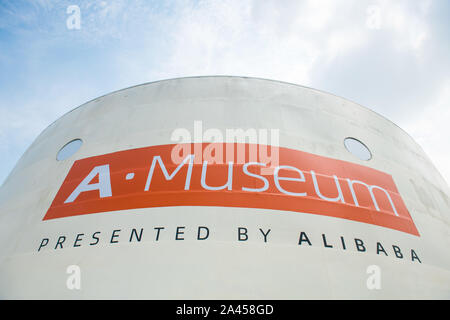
x=391, y=56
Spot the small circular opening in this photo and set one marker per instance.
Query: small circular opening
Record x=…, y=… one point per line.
x=357, y=148
x=69, y=149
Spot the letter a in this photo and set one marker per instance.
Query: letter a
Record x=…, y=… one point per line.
x=73, y=21
x=103, y=185
x=374, y=280
x=74, y=280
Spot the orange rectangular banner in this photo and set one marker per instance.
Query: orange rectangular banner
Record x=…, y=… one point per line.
x=231, y=175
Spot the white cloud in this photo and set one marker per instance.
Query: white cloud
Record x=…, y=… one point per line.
x=430, y=128
x=259, y=38
x=405, y=20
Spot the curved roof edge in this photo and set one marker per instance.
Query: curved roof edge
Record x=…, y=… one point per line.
x=229, y=76
x=242, y=77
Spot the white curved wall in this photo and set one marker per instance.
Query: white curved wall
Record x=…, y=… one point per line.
x=221, y=266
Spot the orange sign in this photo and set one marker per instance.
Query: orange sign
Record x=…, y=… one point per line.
x=299, y=182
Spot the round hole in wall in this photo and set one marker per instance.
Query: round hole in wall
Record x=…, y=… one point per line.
x=357, y=148
x=69, y=149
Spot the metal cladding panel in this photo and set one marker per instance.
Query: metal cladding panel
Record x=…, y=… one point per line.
x=286, y=233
